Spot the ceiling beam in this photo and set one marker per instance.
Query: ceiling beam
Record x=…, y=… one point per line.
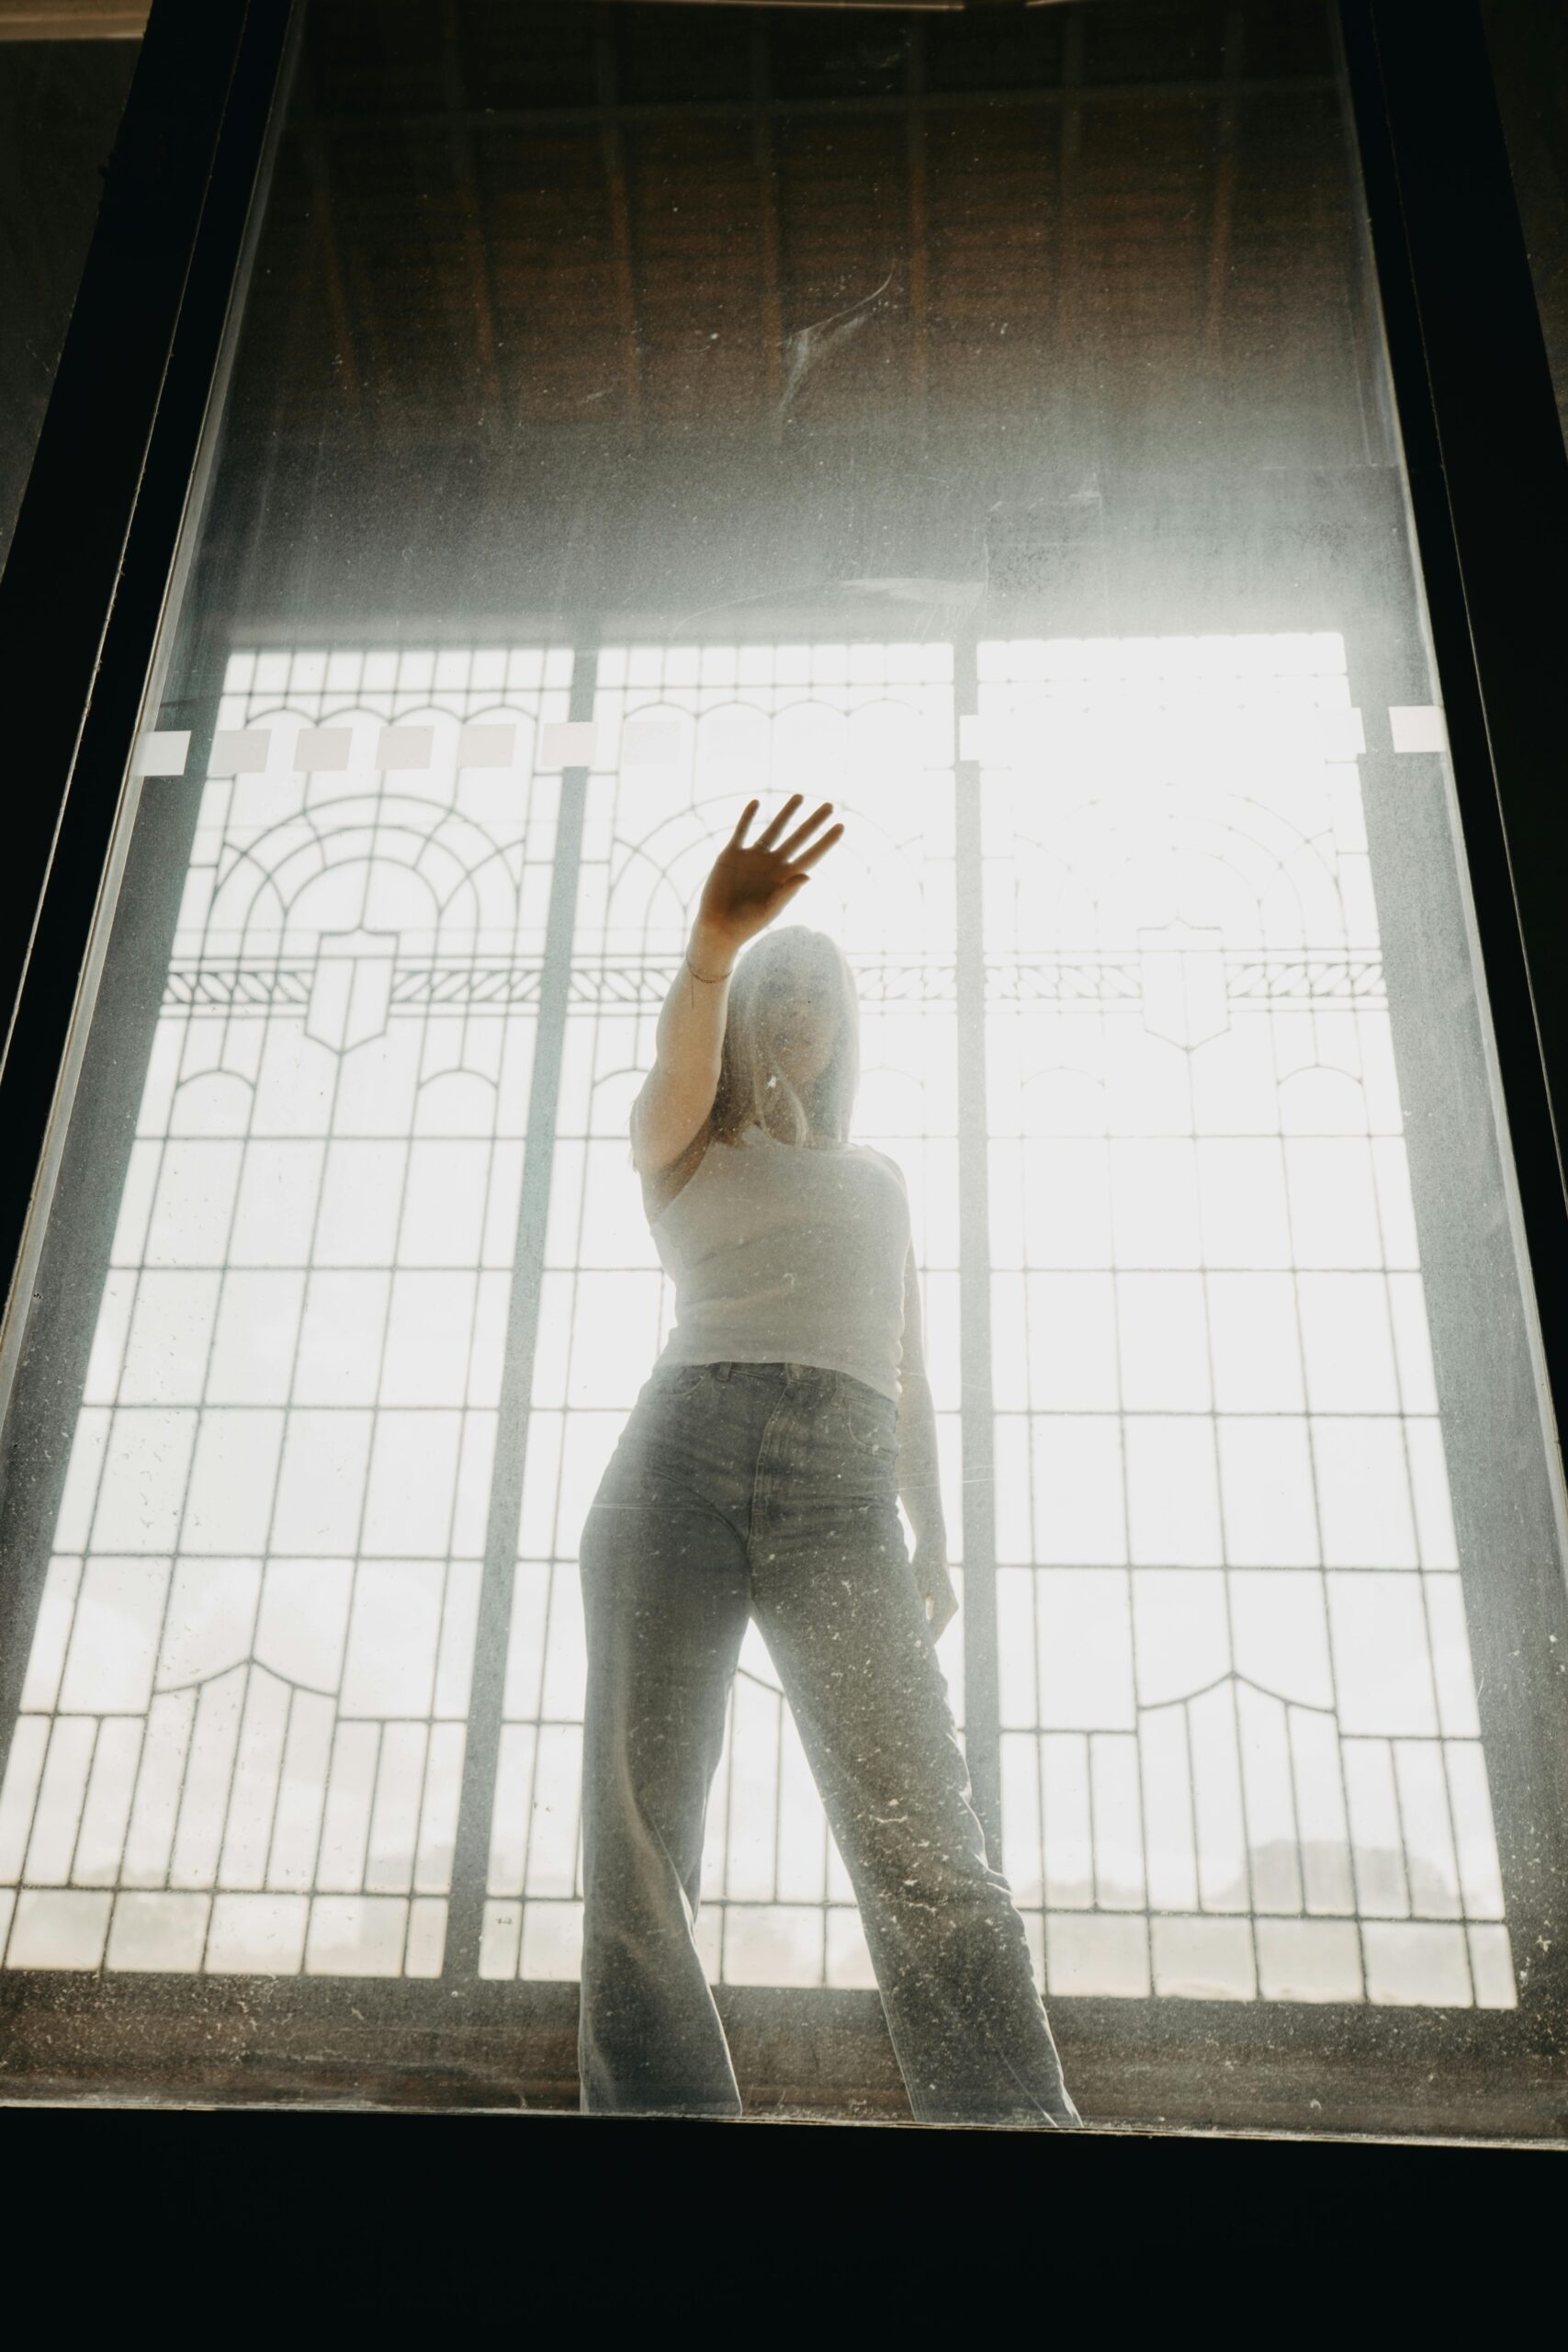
x=126, y=20
x=1087, y=97
x=73, y=19
x=1220, y=218
x=1070, y=137
x=465, y=172
x=323, y=206
x=914, y=161
x=769, y=234
x=606, y=66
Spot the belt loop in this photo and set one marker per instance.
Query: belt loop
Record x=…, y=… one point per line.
x=723, y=1370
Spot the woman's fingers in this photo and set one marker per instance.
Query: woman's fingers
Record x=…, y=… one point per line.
x=823, y=846
x=766, y=839
x=737, y=837
x=804, y=833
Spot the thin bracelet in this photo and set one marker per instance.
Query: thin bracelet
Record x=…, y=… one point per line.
x=706, y=980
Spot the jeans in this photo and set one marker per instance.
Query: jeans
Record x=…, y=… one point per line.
x=770, y=1490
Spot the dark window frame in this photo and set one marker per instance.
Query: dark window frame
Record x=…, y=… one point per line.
x=184, y=197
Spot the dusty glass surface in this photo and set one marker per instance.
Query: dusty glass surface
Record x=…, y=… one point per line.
x=983, y=426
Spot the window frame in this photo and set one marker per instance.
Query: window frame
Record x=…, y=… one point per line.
x=88, y=651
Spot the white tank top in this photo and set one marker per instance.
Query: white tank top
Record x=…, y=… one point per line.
x=784, y=1254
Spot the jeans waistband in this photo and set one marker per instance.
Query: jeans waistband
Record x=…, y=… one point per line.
x=795, y=1375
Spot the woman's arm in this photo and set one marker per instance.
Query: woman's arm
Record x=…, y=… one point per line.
x=748, y=884
x=920, y=1485
x=678, y=1093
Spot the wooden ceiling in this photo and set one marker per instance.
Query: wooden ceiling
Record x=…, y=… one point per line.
x=654, y=221
x=73, y=19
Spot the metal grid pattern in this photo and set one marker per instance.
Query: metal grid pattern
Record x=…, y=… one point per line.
x=1232, y=1706
x=241, y=1736
x=1240, y=1747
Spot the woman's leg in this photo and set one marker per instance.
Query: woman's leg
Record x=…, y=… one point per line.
x=835, y=1598
x=664, y=1588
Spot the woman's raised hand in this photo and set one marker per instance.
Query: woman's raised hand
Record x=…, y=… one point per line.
x=751, y=880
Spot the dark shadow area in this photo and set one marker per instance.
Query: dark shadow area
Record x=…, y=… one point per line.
x=60, y=106
x=1529, y=42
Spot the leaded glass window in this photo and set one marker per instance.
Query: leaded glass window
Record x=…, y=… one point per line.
x=242, y=1734
x=1240, y=1740
x=980, y=418
x=1239, y=1753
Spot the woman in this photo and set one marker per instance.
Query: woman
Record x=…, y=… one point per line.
x=760, y=1475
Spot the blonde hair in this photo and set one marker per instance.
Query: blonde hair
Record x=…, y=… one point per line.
x=752, y=1091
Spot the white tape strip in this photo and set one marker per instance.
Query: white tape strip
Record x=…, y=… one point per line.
x=568, y=743
x=238, y=751
x=321, y=750
x=1416, y=727
x=160, y=754
x=405, y=747
x=650, y=743
x=487, y=744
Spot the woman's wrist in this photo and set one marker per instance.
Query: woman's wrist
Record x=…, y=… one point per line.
x=707, y=957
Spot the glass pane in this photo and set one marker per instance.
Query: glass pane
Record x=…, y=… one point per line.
x=984, y=427
x=1230, y=1569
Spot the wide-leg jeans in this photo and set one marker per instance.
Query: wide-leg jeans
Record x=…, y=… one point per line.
x=770, y=1490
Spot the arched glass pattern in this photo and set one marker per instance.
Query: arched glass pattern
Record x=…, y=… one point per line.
x=1230, y=1699
x=242, y=1735
x=1241, y=1750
